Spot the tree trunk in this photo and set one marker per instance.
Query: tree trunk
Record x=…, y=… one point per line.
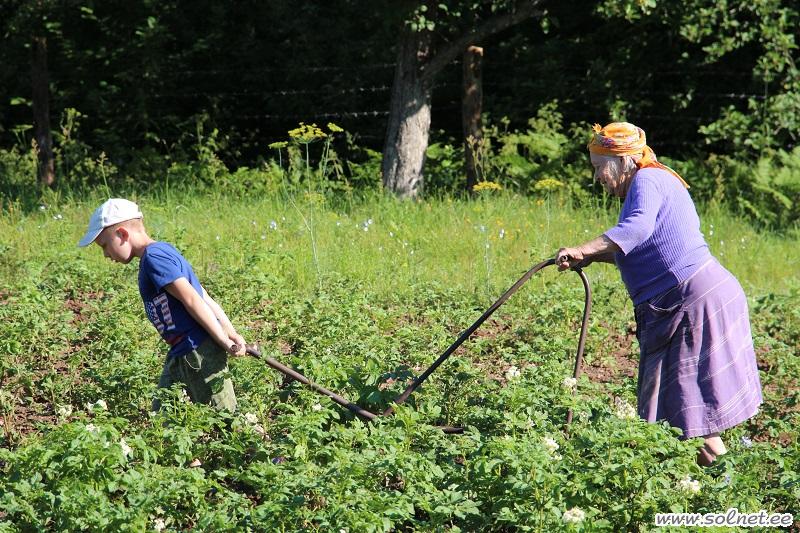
x=471, y=104
x=409, y=118
x=41, y=112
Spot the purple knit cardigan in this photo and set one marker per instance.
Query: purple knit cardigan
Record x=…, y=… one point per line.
x=659, y=235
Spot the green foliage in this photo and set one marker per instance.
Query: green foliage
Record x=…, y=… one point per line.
x=766, y=192
x=762, y=33
x=391, y=288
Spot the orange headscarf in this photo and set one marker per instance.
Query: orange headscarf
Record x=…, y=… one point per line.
x=623, y=138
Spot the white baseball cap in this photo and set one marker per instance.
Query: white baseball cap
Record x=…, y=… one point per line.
x=112, y=211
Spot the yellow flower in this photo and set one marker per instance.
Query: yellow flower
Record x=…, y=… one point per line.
x=307, y=133
x=314, y=198
x=334, y=128
x=487, y=186
x=278, y=145
x=548, y=184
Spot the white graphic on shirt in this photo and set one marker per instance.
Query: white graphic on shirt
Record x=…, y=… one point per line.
x=164, y=322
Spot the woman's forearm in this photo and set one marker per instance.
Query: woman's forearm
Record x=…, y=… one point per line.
x=598, y=249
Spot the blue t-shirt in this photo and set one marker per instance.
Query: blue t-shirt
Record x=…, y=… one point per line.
x=160, y=265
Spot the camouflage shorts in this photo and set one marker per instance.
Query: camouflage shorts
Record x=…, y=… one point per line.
x=204, y=373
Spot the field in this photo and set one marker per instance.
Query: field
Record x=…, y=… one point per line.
x=361, y=295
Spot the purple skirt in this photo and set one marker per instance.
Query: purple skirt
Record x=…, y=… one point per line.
x=697, y=367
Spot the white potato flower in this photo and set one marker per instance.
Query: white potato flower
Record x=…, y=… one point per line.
x=623, y=409
x=550, y=444
x=690, y=485
x=127, y=451
x=573, y=516
x=512, y=373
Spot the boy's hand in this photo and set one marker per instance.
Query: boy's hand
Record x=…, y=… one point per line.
x=237, y=344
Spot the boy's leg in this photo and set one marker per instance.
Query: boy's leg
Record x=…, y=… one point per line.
x=166, y=380
x=205, y=373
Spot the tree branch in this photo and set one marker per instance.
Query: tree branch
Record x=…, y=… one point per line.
x=495, y=24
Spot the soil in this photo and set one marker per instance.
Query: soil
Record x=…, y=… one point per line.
x=617, y=360
x=79, y=306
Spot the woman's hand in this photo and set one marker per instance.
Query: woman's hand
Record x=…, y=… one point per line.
x=569, y=258
x=598, y=249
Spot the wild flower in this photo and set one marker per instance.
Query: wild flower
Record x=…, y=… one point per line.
x=575, y=515
x=278, y=145
x=58, y=217
x=502, y=233
x=622, y=409
x=334, y=128
x=98, y=405
x=569, y=383
x=159, y=524
x=251, y=418
x=307, y=133
x=746, y=441
x=512, y=373
x=690, y=485
x=548, y=184
x=64, y=411
x=273, y=225
x=127, y=451
x=487, y=186
x=316, y=407
x=42, y=207
x=550, y=444
x=91, y=428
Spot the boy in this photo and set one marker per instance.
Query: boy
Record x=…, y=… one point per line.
x=187, y=318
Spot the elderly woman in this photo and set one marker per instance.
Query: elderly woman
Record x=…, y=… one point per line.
x=697, y=367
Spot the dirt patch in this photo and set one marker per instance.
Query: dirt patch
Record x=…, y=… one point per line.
x=285, y=347
x=25, y=420
x=617, y=359
x=77, y=308
x=79, y=305
x=5, y=296
x=492, y=328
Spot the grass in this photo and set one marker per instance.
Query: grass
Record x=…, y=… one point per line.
x=388, y=246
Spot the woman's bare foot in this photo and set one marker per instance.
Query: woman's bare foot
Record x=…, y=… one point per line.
x=712, y=448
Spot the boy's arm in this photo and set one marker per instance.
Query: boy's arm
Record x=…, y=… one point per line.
x=224, y=321
x=201, y=312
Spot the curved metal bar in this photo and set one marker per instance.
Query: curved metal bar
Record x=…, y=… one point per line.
x=587, y=308
x=294, y=374
x=500, y=301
